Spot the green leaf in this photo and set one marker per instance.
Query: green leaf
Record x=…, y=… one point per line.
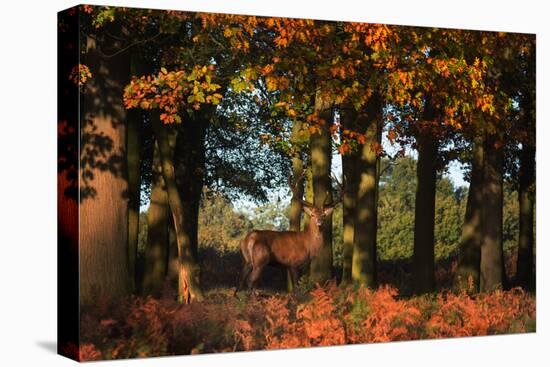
x=200, y=97
x=213, y=87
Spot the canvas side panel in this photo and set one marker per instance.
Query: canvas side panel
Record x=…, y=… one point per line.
x=67, y=183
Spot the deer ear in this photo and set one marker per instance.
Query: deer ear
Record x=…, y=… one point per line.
x=327, y=211
x=307, y=209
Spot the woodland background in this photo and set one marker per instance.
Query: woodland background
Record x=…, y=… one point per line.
x=33, y=340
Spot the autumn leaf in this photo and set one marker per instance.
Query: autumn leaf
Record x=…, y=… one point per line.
x=169, y=90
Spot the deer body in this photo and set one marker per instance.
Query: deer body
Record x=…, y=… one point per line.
x=287, y=248
x=290, y=249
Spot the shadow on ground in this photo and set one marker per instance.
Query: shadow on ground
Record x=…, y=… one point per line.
x=48, y=345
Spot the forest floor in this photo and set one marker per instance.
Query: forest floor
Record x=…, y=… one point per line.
x=316, y=315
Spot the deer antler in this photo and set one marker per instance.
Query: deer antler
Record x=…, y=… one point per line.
x=294, y=188
x=340, y=189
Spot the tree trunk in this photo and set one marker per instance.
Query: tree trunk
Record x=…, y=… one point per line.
x=297, y=172
x=364, y=246
x=104, y=179
x=525, y=272
x=308, y=191
x=350, y=175
x=134, y=182
x=188, y=279
x=424, y=214
x=173, y=262
x=468, y=272
x=308, y=196
x=190, y=168
x=157, y=236
x=295, y=214
x=492, y=264
x=424, y=220
x=138, y=66
x=321, y=158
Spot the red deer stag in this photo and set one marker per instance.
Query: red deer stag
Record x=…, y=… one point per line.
x=289, y=249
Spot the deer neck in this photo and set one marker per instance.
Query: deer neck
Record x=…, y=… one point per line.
x=315, y=239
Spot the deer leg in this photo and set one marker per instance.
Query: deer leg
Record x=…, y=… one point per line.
x=254, y=277
x=244, y=276
x=260, y=258
x=293, y=277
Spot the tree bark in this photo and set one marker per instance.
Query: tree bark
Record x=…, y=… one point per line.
x=104, y=179
x=321, y=158
x=297, y=172
x=190, y=168
x=525, y=269
x=308, y=195
x=350, y=175
x=492, y=264
x=424, y=214
x=173, y=261
x=525, y=274
x=134, y=182
x=364, y=246
x=157, y=236
x=188, y=278
x=468, y=272
x=308, y=191
x=138, y=66
x=295, y=214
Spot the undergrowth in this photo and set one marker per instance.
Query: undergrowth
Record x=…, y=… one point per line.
x=326, y=315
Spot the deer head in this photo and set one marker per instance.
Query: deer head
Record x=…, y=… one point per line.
x=318, y=215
